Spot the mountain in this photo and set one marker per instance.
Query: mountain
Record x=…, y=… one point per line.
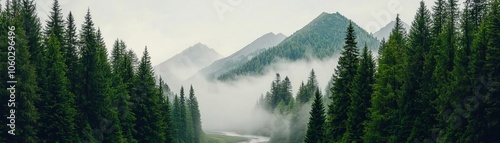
x=321, y=38
x=385, y=31
x=243, y=55
x=185, y=64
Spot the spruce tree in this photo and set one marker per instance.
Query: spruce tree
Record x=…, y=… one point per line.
x=182, y=122
x=360, y=98
x=57, y=110
x=168, y=127
x=444, y=65
x=26, y=114
x=316, y=126
x=96, y=93
x=344, y=75
x=55, y=24
x=122, y=100
x=176, y=114
x=195, y=115
x=419, y=44
x=311, y=85
x=388, y=104
x=148, y=109
x=70, y=53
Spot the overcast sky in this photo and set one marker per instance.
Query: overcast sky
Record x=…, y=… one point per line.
x=167, y=27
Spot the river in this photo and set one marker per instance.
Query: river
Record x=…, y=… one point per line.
x=251, y=138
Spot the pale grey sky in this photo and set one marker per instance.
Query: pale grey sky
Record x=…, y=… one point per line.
x=169, y=26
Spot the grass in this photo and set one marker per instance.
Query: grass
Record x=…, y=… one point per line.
x=219, y=138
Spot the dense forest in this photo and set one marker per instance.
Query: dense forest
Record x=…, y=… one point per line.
x=437, y=83
x=70, y=90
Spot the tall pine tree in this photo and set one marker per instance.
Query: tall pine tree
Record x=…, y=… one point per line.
x=57, y=110
x=388, y=104
x=316, y=126
x=195, y=116
x=360, y=97
x=148, y=109
x=419, y=44
x=343, y=87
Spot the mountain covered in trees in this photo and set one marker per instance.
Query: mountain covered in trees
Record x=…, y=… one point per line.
x=385, y=31
x=242, y=56
x=182, y=66
x=319, y=39
x=70, y=89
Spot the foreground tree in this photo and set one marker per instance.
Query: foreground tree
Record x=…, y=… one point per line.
x=419, y=44
x=316, y=126
x=57, y=112
x=148, y=109
x=388, y=103
x=342, y=88
x=360, y=98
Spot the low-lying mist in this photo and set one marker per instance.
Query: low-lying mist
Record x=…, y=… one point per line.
x=230, y=106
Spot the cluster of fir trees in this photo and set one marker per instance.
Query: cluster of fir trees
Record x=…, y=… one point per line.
x=280, y=102
x=439, y=83
x=69, y=91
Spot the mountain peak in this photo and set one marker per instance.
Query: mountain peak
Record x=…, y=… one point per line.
x=385, y=31
x=321, y=38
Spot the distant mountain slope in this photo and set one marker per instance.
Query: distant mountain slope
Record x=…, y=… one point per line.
x=243, y=55
x=185, y=64
x=321, y=38
x=385, y=31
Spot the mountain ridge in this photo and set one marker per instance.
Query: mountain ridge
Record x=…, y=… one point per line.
x=186, y=63
x=321, y=38
x=243, y=55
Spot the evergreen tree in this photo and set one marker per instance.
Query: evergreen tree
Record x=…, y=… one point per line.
x=96, y=93
x=302, y=94
x=419, y=44
x=122, y=100
x=316, y=126
x=311, y=85
x=177, y=119
x=182, y=122
x=388, y=104
x=166, y=112
x=344, y=75
x=286, y=91
x=70, y=53
x=148, y=109
x=55, y=24
x=444, y=65
x=195, y=115
x=439, y=17
x=360, y=98
x=57, y=110
x=26, y=115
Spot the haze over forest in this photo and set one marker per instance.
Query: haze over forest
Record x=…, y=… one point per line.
x=385, y=71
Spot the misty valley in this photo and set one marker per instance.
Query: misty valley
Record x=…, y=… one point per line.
x=436, y=79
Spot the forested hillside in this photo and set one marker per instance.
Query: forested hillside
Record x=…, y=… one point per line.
x=319, y=39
